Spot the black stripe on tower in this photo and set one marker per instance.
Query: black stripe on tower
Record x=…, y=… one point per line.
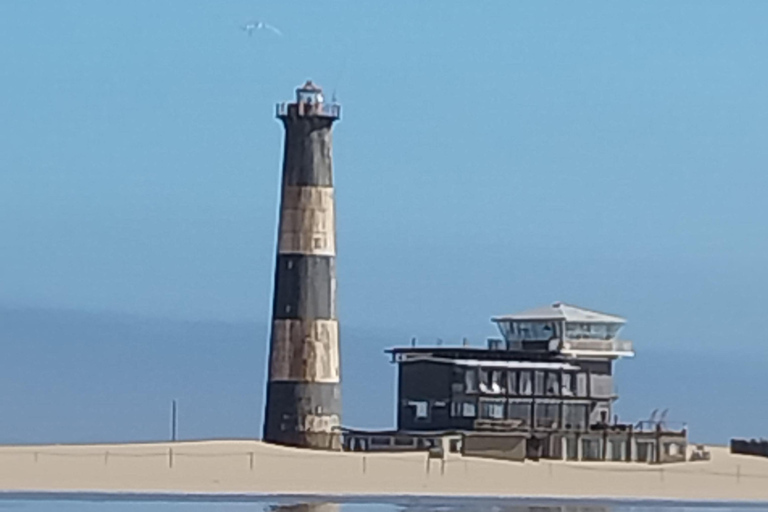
x=307, y=158
x=288, y=403
x=304, y=287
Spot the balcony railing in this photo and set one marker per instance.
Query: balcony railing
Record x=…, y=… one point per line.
x=309, y=109
x=500, y=425
x=593, y=345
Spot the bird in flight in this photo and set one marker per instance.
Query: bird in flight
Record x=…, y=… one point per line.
x=259, y=25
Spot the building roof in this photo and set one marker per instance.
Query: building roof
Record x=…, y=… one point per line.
x=531, y=365
x=561, y=311
x=473, y=352
x=474, y=363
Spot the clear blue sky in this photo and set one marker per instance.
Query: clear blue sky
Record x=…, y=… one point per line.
x=491, y=157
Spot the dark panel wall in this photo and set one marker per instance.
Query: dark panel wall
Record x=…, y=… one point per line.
x=507, y=447
x=427, y=382
x=601, y=367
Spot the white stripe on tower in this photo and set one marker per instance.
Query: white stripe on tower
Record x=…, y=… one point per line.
x=307, y=223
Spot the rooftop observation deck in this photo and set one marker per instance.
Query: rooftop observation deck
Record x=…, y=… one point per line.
x=570, y=330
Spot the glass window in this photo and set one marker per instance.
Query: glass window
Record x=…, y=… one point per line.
x=539, y=384
x=468, y=410
x=520, y=411
x=575, y=416
x=553, y=386
x=485, y=378
x=497, y=381
x=547, y=415
x=613, y=330
x=470, y=380
x=526, y=386
x=506, y=330
x=567, y=384
x=512, y=382
x=599, y=331
x=581, y=384
x=492, y=410
x=530, y=331
x=421, y=409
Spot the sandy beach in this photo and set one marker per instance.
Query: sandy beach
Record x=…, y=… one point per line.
x=254, y=467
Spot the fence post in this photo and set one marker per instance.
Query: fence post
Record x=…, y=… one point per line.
x=251, y=461
x=365, y=464
x=442, y=466
x=106, y=457
x=738, y=473
x=170, y=457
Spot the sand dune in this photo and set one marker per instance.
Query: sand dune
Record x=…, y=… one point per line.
x=254, y=467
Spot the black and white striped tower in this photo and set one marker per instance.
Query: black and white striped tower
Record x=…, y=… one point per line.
x=303, y=393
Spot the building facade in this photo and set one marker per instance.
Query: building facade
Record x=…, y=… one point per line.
x=551, y=370
x=545, y=387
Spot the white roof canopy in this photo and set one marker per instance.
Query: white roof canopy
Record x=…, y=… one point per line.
x=523, y=365
x=560, y=311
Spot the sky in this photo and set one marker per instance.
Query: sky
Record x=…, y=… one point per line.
x=490, y=158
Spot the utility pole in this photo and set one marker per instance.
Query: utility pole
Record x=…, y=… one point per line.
x=173, y=422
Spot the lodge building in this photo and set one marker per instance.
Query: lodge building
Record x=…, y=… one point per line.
x=544, y=389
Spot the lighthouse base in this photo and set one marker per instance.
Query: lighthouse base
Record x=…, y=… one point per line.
x=303, y=414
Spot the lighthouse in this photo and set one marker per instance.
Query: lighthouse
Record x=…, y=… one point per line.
x=303, y=402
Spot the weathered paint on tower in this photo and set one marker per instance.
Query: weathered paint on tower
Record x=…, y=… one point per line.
x=303, y=393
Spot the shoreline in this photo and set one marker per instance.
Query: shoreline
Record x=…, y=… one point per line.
x=230, y=470
x=425, y=500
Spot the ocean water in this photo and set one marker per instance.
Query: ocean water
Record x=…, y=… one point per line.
x=449, y=505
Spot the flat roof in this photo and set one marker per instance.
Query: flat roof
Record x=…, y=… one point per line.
x=561, y=311
x=475, y=363
x=479, y=353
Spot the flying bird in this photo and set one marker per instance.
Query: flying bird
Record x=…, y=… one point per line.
x=259, y=25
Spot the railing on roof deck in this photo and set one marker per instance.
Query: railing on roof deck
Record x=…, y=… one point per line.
x=309, y=109
x=665, y=427
x=598, y=345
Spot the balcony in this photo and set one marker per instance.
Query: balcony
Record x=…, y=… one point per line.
x=330, y=110
x=597, y=347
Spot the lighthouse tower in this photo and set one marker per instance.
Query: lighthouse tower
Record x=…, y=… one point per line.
x=303, y=403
